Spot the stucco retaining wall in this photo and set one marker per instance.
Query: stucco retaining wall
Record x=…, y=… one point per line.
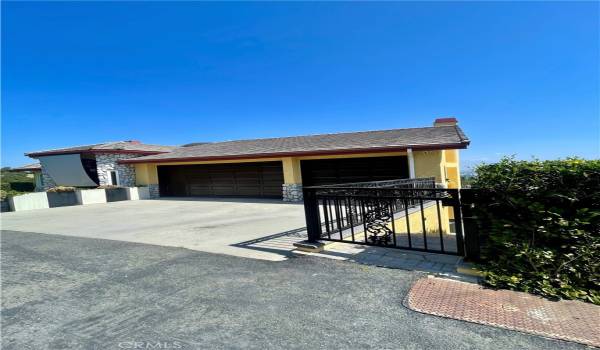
x=40, y=200
x=91, y=196
x=37, y=200
x=137, y=193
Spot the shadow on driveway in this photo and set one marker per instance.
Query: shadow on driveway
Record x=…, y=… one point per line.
x=280, y=243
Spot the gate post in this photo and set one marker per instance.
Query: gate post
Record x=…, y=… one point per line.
x=458, y=223
x=311, y=212
x=472, y=242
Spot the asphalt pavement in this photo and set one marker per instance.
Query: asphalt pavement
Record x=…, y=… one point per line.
x=66, y=292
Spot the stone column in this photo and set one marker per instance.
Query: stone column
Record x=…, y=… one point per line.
x=292, y=192
x=154, y=191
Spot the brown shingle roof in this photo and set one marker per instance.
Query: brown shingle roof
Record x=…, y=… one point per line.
x=107, y=147
x=441, y=137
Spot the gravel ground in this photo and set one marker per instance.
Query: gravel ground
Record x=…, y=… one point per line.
x=63, y=292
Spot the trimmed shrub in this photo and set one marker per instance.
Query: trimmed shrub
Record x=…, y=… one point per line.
x=61, y=189
x=108, y=187
x=542, y=225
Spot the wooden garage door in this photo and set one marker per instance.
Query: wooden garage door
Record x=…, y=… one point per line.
x=334, y=171
x=243, y=180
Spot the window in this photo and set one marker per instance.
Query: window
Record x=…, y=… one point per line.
x=113, y=177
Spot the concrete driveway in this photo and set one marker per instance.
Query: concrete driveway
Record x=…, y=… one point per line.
x=226, y=226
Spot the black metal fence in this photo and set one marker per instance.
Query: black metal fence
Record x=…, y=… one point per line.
x=405, y=213
x=424, y=182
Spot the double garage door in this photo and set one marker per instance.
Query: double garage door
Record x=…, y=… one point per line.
x=264, y=179
x=242, y=180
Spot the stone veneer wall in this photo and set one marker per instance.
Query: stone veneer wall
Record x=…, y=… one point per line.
x=108, y=161
x=47, y=180
x=292, y=192
x=153, y=189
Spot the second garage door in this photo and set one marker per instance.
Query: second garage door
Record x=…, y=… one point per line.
x=335, y=171
x=244, y=180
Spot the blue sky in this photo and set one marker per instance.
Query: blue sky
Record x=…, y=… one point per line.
x=522, y=78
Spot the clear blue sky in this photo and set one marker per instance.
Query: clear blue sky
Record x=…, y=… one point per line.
x=522, y=78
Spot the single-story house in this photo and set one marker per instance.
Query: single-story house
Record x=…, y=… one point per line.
x=272, y=167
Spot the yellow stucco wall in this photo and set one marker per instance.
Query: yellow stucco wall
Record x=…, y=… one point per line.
x=451, y=155
x=453, y=177
x=430, y=163
x=443, y=165
x=431, y=222
x=427, y=164
x=146, y=174
x=291, y=171
x=452, y=168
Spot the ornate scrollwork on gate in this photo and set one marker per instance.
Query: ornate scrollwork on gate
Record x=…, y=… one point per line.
x=377, y=220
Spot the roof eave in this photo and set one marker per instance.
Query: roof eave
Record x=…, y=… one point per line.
x=461, y=145
x=95, y=151
x=32, y=170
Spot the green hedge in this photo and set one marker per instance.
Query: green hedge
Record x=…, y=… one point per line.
x=14, y=183
x=541, y=220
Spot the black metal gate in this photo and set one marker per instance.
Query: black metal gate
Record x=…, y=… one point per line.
x=407, y=214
